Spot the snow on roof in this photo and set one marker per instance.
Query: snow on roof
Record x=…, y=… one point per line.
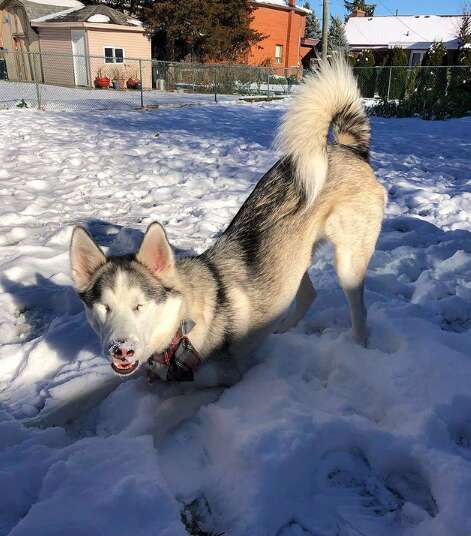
x=417, y=31
x=61, y=3
x=98, y=14
x=282, y=3
x=98, y=18
x=57, y=14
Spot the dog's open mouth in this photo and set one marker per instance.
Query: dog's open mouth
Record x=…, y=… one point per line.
x=123, y=368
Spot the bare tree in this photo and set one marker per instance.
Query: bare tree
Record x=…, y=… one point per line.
x=464, y=28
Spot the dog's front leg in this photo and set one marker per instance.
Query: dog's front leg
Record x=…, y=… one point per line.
x=185, y=400
x=304, y=298
x=176, y=409
x=217, y=372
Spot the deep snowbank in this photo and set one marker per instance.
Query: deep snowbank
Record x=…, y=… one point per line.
x=320, y=437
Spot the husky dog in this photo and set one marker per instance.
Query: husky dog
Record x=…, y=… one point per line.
x=241, y=288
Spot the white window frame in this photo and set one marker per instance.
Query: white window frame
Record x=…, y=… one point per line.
x=279, y=59
x=113, y=48
x=421, y=53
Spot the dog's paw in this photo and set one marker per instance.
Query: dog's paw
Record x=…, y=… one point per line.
x=361, y=338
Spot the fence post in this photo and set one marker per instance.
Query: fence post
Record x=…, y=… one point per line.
x=268, y=83
x=36, y=83
x=389, y=82
x=215, y=83
x=142, y=83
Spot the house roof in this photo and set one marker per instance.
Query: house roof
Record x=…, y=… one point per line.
x=281, y=3
x=414, y=32
x=96, y=13
x=40, y=8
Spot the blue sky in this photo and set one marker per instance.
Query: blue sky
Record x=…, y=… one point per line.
x=388, y=7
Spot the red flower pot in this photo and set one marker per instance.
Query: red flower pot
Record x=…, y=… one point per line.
x=132, y=83
x=102, y=82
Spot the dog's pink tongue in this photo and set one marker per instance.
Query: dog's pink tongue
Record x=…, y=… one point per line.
x=122, y=365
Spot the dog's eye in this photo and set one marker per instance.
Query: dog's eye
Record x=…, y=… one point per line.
x=138, y=307
x=107, y=308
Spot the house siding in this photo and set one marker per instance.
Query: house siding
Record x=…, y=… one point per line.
x=57, y=62
x=282, y=27
x=135, y=45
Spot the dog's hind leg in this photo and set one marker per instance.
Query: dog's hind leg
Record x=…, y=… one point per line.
x=351, y=271
x=354, y=236
x=305, y=296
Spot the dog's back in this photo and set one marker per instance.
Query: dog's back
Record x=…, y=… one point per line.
x=317, y=190
x=237, y=290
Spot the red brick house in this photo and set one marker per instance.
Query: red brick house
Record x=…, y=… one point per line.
x=284, y=23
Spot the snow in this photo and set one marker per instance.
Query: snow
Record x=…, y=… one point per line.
x=415, y=32
x=60, y=98
x=283, y=3
x=135, y=22
x=321, y=436
x=98, y=18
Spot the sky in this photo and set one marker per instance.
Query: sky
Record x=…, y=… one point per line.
x=388, y=7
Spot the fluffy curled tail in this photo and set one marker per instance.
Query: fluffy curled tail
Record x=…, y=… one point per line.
x=329, y=97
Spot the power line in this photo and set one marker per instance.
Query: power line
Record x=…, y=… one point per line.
x=402, y=22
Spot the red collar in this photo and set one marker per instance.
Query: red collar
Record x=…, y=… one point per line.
x=181, y=358
x=168, y=355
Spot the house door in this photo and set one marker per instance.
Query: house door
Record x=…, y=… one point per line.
x=80, y=58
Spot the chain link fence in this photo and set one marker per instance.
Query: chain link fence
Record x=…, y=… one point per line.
x=430, y=92
x=397, y=82
x=71, y=82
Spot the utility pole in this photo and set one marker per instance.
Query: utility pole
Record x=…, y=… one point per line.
x=325, y=27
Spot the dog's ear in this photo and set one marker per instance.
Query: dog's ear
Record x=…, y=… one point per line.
x=85, y=258
x=155, y=252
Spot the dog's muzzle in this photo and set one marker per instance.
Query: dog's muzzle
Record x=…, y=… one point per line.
x=122, y=353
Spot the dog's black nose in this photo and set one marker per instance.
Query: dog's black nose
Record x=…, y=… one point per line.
x=121, y=350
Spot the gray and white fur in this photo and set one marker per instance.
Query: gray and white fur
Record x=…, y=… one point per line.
x=242, y=287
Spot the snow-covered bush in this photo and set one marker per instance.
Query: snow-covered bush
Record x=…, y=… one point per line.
x=459, y=90
x=393, y=76
x=366, y=72
x=434, y=90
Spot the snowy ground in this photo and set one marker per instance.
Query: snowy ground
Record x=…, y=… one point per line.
x=321, y=437
x=58, y=98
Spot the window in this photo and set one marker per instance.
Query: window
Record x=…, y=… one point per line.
x=416, y=58
x=114, y=55
x=278, y=53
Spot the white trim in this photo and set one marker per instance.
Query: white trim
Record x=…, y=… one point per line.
x=114, y=62
x=415, y=51
x=64, y=4
x=278, y=59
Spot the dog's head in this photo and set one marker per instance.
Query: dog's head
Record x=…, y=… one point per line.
x=133, y=302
